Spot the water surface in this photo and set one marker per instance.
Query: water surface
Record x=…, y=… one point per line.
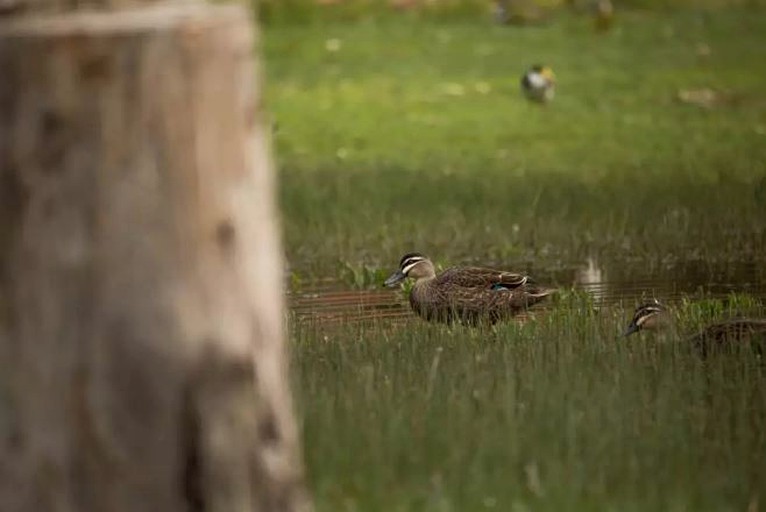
x=609, y=283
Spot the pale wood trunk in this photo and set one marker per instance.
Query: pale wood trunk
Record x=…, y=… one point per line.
x=142, y=364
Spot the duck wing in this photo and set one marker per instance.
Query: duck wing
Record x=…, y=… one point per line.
x=728, y=332
x=474, y=304
x=482, y=278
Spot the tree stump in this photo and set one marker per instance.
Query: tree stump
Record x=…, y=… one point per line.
x=142, y=362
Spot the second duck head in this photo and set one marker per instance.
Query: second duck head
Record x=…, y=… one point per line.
x=650, y=316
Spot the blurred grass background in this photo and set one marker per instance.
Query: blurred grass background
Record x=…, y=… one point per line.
x=303, y=11
x=407, y=134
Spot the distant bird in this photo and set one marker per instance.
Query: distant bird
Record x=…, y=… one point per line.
x=653, y=316
x=539, y=84
x=470, y=295
x=603, y=15
x=518, y=12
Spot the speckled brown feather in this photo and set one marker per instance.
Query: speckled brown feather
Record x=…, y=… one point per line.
x=466, y=294
x=721, y=336
x=479, y=277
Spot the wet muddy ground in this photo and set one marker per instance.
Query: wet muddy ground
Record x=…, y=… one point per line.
x=608, y=283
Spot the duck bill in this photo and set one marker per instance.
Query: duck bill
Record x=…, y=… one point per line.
x=632, y=328
x=548, y=74
x=394, y=279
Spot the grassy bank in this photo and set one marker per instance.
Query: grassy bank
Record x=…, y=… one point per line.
x=319, y=11
x=556, y=415
x=403, y=135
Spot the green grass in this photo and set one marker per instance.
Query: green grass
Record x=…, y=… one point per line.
x=397, y=135
x=414, y=136
x=318, y=11
x=556, y=415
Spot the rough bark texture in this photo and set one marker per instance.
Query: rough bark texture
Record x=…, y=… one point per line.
x=142, y=364
x=8, y=7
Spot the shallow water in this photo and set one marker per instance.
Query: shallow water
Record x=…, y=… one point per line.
x=608, y=283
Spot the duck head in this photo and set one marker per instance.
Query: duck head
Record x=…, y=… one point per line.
x=649, y=316
x=413, y=265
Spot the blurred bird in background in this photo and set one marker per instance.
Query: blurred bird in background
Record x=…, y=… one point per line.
x=539, y=83
x=519, y=12
x=603, y=15
x=601, y=12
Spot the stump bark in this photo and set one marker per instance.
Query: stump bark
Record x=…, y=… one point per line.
x=142, y=363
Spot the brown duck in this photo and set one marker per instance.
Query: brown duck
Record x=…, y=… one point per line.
x=653, y=316
x=469, y=295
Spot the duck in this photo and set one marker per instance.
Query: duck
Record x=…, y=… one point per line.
x=538, y=84
x=469, y=295
x=654, y=316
